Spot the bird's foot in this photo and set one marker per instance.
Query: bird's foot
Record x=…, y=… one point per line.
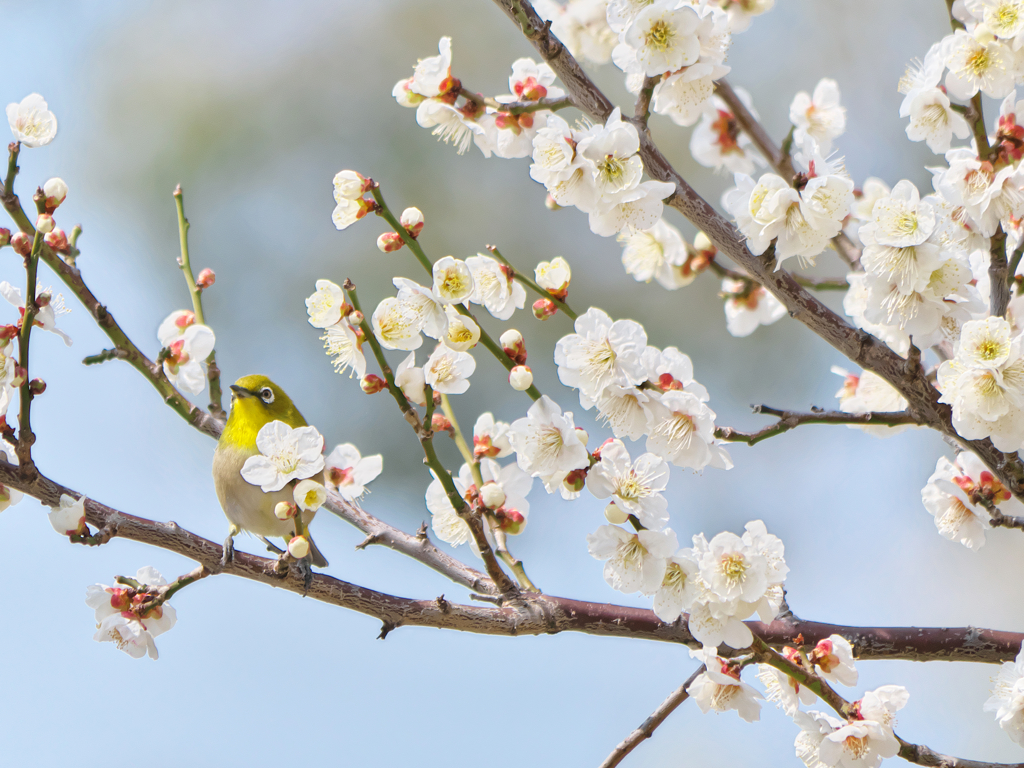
x=229, y=551
x=271, y=547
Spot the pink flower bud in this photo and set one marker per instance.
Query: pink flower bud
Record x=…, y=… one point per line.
x=389, y=242
x=521, y=378
x=5, y=236
x=285, y=510
x=514, y=346
x=412, y=220
x=439, y=423
x=544, y=308
x=57, y=240
x=206, y=278
x=550, y=204
x=37, y=386
x=43, y=300
x=21, y=243
x=8, y=332
x=576, y=480
x=298, y=547
x=44, y=222
x=55, y=190
x=371, y=384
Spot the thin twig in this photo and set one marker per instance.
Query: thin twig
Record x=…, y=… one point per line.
x=648, y=726
x=791, y=419
x=998, y=269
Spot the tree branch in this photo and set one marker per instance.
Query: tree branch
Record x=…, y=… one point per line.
x=791, y=419
x=859, y=346
x=647, y=727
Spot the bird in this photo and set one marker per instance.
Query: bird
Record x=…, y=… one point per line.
x=255, y=402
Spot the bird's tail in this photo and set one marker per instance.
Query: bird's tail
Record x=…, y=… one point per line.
x=316, y=556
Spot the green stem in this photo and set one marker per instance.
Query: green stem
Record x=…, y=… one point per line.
x=26, y=438
x=1014, y=263
x=517, y=275
x=12, y=170
x=460, y=441
x=213, y=374
x=978, y=128
x=385, y=213
x=514, y=563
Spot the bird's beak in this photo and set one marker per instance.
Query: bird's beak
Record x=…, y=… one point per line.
x=237, y=391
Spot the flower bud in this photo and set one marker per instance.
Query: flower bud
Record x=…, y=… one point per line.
x=389, y=242
x=68, y=519
x=492, y=495
x=510, y=520
x=440, y=423
x=5, y=236
x=582, y=436
x=43, y=299
x=614, y=515
x=55, y=190
x=355, y=317
x=57, y=240
x=514, y=345
x=521, y=378
x=544, y=308
x=285, y=510
x=298, y=547
x=350, y=185
x=206, y=278
x=44, y=222
x=576, y=480
x=21, y=243
x=7, y=332
x=37, y=386
x=371, y=384
x=412, y=220
x=702, y=243
x=550, y=204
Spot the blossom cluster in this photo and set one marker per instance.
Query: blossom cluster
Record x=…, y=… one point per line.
x=186, y=344
x=126, y=616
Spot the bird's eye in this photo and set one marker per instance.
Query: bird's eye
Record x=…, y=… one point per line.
x=267, y=395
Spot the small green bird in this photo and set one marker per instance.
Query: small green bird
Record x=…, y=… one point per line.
x=255, y=402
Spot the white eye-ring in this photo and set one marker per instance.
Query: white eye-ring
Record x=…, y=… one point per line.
x=267, y=395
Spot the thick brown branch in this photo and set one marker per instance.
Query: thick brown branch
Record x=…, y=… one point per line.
x=527, y=614
x=999, y=293
x=861, y=347
x=779, y=161
x=648, y=726
x=791, y=419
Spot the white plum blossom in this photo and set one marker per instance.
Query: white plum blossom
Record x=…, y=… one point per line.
x=684, y=96
x=783, y=690
x=324, y=306
x=46, y=318
x=718, y=142
x=31, y=121
x=984, y=383
x=582, y=26
x=462, y=333
x=631, y=209
x=600, y=353
x=819, y=116
x=343, y=345
x=954, y=496
x=429, y=310
x=870, y=393
x=613, y=152
x=490, y=438
x=625, y=410
x=664, y=37
x=411, y=380
x=445, y=522
x=348, y=472
x=720, y=689
x=546, y=443
x=634, y=561
x=635, y=486
x=858, y=744
x=8, y=496
x=975, y=66
x=431, y=73
x=118, y=619
x=396, y=324
x=309, y=496
x=681, y=429
x=284, y=454
x=1007, y=700
x=554, y=276
x=733, y=570
x=656, y=253
x=814, y=726
x=679, y=588
x=188, y=345
x=833, y=659
x=748, y=305
x=494, y=288
x=453, y=282
x=68, y=518
x=448, y=371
